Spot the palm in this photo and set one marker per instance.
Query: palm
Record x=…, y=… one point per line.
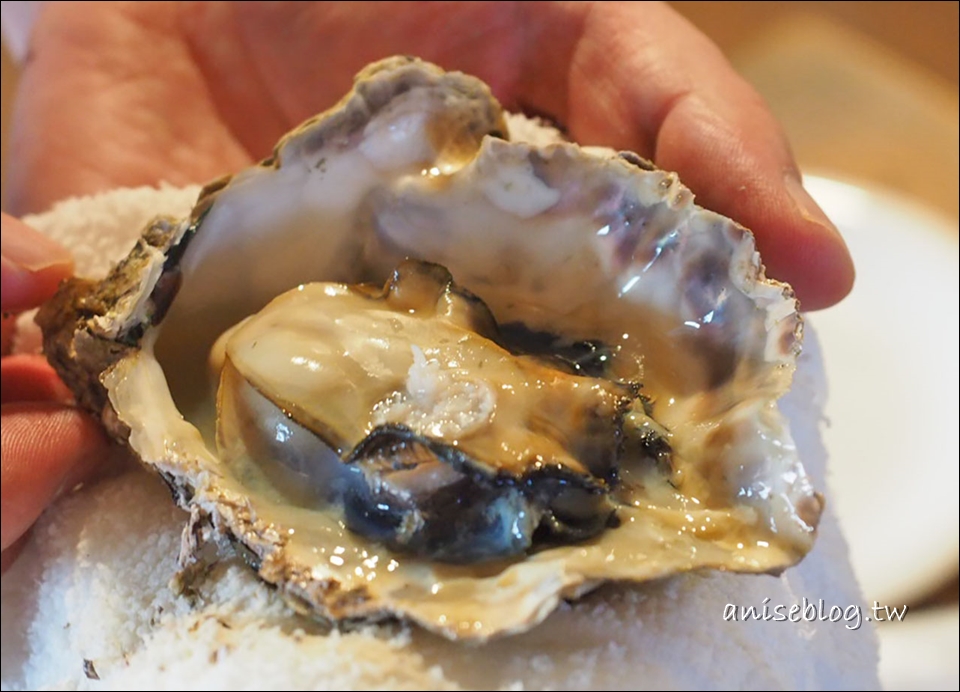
x=189, y=93
x=184, y=92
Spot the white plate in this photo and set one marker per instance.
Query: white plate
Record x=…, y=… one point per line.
x=891, y=358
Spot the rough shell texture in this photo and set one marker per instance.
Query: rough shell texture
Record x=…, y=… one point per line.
x=587, y=244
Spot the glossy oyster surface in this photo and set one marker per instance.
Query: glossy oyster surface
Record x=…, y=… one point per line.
x=403, y=415
x=575, y=250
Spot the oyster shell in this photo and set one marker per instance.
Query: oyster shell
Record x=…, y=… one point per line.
x=570, y=245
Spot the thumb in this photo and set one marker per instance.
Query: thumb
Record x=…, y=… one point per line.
x=32, y=266
x=47, y=448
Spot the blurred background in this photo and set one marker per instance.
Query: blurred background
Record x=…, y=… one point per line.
x=868, y=94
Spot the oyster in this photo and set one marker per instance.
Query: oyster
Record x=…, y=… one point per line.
x=583, y=255
x=329, y=392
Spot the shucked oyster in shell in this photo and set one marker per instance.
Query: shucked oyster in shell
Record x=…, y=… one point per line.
x=363, y=437
x=405, y=416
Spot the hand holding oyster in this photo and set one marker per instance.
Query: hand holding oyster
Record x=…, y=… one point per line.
x=588, y=395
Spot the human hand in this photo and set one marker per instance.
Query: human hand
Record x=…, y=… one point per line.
x=48, y=446
x=135, y=93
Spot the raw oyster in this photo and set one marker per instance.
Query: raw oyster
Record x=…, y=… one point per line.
x=403, y=411
x=567, y=246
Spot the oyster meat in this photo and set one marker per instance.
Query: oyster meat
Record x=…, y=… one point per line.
x=402, y=411
x=594, y=398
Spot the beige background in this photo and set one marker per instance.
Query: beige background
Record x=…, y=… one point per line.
x=866, y=90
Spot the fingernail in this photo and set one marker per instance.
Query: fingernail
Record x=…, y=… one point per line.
x=806, y=205
x=29, y=249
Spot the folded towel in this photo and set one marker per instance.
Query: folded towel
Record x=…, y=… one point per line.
x=89, y=596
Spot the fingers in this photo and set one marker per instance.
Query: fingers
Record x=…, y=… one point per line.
x=30, y=378
x=628, y=75
x=47, y=448
x=642, y=78
x=8, y=329
x=740, y=171
x=32, y=266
